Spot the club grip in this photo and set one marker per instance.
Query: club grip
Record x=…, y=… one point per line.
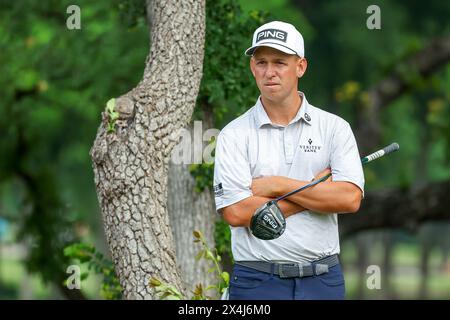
x=391, y=148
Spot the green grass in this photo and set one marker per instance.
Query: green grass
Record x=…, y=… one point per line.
x=404, y=286
x=405, y=277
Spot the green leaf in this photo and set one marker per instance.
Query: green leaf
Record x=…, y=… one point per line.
x=114, y=116
x=197, y=234
x=199, y=255
x=174, y=291
x=27, y=79
x=226, y=277
x=98, y=255
x=79, y=251
x=209, y=255
x=210, y=287
x=154, y=282
x=211, y=269
x=164, y=295
x=111, y=128
x=110, y=105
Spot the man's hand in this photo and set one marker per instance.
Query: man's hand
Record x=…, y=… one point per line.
x=265, y=187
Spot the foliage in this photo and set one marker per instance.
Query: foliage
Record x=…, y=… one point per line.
x=203, y=174
x=222, y=237
x=209, y=254
x=132, y=12
x=87, y=254
x=112, y=115
x=227, y=88
x=97, y=263
x=166, y=291
x=54, y=83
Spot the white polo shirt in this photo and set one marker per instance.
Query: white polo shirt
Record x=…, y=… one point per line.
x=251, y=146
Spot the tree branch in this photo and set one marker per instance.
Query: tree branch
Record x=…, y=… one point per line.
x=422, y=64
x=399, y=209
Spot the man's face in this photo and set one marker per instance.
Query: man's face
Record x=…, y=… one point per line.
x=276, y=73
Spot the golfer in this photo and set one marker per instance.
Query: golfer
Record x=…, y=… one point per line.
x=278, y=145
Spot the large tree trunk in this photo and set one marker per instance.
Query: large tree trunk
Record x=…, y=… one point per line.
x=131, y=164
x=189, y=211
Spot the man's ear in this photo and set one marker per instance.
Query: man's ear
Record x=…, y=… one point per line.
x=302, y=65
x=252, y=66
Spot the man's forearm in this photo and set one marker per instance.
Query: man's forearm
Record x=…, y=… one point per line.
x=240, y=214
x=325, y=197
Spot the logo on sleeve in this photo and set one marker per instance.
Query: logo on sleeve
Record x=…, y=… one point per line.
x=218, y=190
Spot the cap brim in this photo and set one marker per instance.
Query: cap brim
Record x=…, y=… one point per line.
x=250, y=51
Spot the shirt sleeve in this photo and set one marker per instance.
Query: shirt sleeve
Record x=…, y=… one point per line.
x=232, y=176
x=345, y=159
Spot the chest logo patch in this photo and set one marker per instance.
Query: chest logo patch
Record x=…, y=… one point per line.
x=310, y=147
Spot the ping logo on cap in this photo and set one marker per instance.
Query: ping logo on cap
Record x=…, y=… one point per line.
x=272, y=34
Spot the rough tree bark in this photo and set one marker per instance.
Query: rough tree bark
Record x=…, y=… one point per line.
x=131, y=164
x=189, y=211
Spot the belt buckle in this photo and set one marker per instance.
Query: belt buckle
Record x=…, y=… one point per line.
x=284, y=275
x=321, y=268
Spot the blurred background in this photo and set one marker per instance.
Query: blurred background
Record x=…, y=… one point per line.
x=391, y=84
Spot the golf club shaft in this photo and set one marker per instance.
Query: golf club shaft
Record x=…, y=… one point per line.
x=378, y=154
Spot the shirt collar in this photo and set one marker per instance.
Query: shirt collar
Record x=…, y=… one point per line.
x=261, y=116
x=303, y=113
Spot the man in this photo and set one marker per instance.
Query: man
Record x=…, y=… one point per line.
x=278, y=145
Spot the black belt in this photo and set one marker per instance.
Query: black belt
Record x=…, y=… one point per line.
x=293, y=270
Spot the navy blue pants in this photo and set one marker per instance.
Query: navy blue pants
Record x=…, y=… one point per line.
x=251, y=284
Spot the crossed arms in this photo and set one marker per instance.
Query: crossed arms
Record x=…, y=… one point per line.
x=326, y=197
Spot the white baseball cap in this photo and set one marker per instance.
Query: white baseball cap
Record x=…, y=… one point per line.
x=278, y=35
